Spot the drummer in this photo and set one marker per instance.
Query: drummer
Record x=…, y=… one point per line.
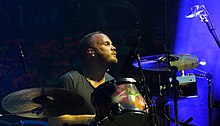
x=97, y=54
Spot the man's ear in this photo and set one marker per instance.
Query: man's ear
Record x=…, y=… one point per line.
x=91, y=51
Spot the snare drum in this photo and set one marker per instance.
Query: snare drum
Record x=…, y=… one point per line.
x=118, y=102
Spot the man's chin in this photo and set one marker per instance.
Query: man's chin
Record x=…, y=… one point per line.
x=115, y=60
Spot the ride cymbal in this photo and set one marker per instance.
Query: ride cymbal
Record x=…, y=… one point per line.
x=42, y=102
x=163, y=61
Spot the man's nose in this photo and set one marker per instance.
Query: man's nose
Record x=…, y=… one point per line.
x=113, y=47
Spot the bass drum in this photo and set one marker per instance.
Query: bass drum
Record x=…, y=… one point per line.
x=119, y=103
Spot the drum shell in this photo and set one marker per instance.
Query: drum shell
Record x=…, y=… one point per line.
x=116, y=97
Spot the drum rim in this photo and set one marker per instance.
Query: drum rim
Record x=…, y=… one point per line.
x=135, y=112
x=117, y=82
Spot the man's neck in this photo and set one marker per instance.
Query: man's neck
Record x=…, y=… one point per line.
x=94, y=72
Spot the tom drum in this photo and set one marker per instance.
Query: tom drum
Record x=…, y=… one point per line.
x=119, y=103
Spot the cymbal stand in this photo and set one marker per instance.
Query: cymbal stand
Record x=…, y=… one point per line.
x=209, y=77
x=174, y=85
x=40, y=100
x=147, y=96
x=185, y=123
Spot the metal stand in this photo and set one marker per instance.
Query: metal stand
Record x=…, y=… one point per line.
x=208, y=76
x=134, y=56
x=202, y=12
x=175, y=84
x=148, y=98
x=210, y=103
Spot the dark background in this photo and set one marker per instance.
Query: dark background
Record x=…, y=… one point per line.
x=49, y=32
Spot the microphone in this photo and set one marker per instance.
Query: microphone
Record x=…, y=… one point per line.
x=22, y=57
x=196, y=10
x=193, y=15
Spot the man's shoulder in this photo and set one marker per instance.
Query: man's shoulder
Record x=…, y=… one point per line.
x=68, y=76
x=72, y=73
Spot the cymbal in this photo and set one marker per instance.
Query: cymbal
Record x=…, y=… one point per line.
x=71, y=119
x=42, y=102
x=161, y=62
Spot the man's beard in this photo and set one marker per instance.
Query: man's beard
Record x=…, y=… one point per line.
x=109, y=60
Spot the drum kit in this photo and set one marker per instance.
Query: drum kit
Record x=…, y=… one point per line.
x=118, y=102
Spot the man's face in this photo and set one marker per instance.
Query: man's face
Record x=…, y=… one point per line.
x=104, y=49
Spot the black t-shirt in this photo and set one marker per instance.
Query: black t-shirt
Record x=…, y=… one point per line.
x=78, y=83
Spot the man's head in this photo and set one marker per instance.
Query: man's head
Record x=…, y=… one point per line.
x=98, y=46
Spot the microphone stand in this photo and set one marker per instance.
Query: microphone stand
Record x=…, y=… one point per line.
x=131, y=57
x=147, y=98
x=208, y=76
x=205, y=17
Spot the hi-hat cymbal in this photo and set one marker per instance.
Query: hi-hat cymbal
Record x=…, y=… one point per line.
x=163, y=61
x=42, y=102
